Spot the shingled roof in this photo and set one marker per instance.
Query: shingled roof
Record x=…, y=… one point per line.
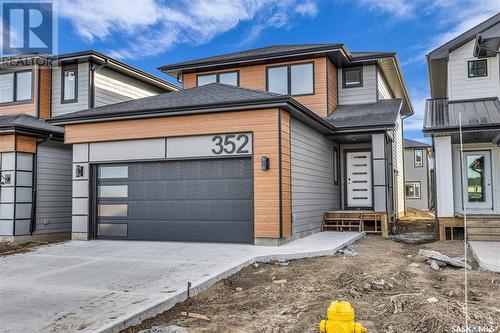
x=408, y=143
x=381, y=113
x=26, y=122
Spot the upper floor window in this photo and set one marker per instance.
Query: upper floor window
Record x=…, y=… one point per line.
x=230, y=78
x=478, y=68
x=16, y=87
x=69, y=84
x=419, y=159
x=352, y=77
x=292, y=80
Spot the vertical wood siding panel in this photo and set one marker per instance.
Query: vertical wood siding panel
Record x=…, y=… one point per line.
x=263, y=124
x=332, y=87
x=45, y=90
x=286, y=175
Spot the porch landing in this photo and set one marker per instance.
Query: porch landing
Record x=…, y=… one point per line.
x=356, y=220
x=487, y=254
x=479, y=227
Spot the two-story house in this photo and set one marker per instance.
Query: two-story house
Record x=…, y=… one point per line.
x=465, y=89
x=418, y=181
x=256, y=148
x=35, y=165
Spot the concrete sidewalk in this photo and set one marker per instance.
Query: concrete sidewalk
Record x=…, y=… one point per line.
x=487, y=254
x=106, y=286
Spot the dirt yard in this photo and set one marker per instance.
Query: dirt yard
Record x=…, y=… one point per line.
x=7, y=248
x=387, y=293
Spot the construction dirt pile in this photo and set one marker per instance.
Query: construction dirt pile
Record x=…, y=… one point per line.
x=392, y=288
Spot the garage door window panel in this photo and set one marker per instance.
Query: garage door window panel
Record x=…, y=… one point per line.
x=113, y=229
x=113, y=210
x=113, y=191
x=113, y=172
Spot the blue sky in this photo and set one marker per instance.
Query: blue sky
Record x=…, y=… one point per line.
x=151, y=33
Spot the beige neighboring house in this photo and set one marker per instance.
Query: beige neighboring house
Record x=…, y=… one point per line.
x=418, y=188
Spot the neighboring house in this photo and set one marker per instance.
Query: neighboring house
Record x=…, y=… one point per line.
x=465, y=84
x=255, y=149
x=418, y=190
x=35, y=165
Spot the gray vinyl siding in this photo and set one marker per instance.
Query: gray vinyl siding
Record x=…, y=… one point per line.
x=384, y=92
x=53, y=202
x=417, y=174
x=360, y=95
x=59, y=108
x=313, y=189
x=112, y=87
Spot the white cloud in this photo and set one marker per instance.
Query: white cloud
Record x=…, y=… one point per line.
x=396, y=7
x=153, y=26
x=307, y=8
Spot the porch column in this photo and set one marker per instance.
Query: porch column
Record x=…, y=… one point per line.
x=379, y=162
x=444, y=176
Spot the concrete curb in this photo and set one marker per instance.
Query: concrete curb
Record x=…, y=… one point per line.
x=203, y=284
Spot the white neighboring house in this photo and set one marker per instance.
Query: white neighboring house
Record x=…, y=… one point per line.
x=418, y=189
x=464, y=82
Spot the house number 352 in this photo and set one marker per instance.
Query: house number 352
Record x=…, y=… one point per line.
x=230, y=144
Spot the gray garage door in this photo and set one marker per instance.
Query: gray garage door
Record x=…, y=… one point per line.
x=196, y=200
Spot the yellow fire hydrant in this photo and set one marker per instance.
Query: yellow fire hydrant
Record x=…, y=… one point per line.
x=340, y=316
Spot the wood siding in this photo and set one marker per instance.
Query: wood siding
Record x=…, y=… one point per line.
x=254, y=77
x=29, y=107
x=286, y=183
x=332, y=87
x=11, y=142
x=45, y=93
x=263, y=124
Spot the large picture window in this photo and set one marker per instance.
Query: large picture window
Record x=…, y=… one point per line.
x=295, y=80
x=230, y=78
x=477, y=68
x=412, y=190
x=69, y=84
x=16, y=87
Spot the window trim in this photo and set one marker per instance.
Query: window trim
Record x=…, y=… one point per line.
x=336, y=166
x=476, y=60
x=217, y=77
x=358, y=85
x=289, y=77
x=14, y=85
x=63, y=70
x=415, y=158
x=411, y=182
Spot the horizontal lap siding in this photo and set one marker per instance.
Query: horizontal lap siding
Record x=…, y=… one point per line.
x=53, y=202
x=82, y=103
x=359, y=95
x=254, y=77
x=112, y=87
x=313, y=189
x=263, y=124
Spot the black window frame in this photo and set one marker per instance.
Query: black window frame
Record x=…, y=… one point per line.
x=217, y=77
x=64, y=69
x=415, y=158
x=289, y=77
x=485, y=61
x=413, y=182
x=336, y=166
x=14, y=87
x=357, y=85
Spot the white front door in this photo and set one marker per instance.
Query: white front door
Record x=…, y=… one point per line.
x=359, y=179
x=477, y=187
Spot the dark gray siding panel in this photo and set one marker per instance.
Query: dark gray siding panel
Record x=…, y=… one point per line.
x=199, y=200
x=313, y=188
x=53, y=201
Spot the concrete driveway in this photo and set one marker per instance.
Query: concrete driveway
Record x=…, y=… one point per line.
x=106, y=286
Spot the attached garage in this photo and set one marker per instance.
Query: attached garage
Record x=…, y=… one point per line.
x=191, y=200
